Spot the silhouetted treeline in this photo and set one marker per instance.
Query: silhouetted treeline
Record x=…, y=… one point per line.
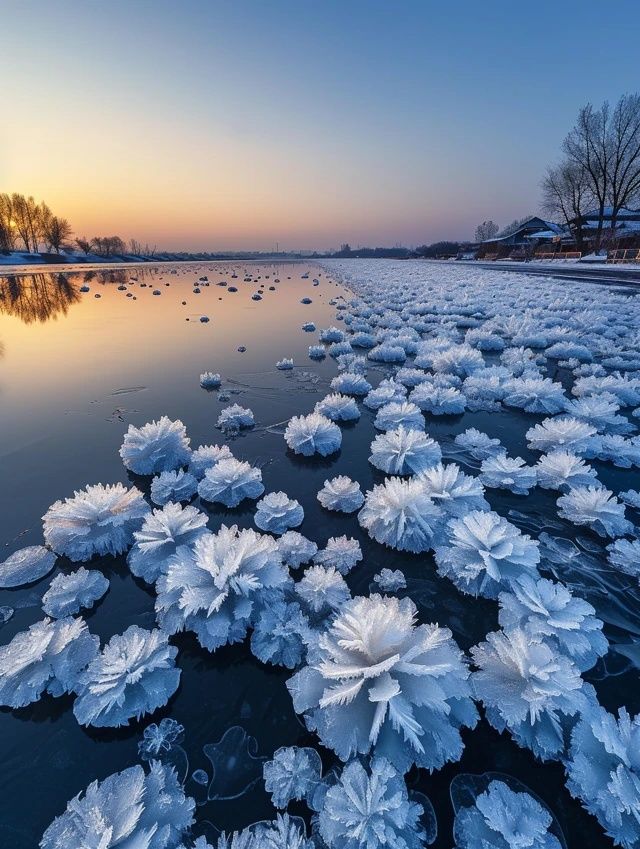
x=368, y=253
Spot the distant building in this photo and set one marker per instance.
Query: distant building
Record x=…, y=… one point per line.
x=528, y=236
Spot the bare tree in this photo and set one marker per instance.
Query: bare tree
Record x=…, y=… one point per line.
x=624, y=144
x=56, y=231
x=7, y=224
x=486, y=230
x=567, y=194
x=84, y=245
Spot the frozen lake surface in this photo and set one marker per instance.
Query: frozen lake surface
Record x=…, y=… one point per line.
x=85, y=354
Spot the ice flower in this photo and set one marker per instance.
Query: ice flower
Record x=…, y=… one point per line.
x=501, y=818
x=209, y=380
x=603, y=771
x=626, y=388
x=159, y=537
x=377, y=682
x=97, y=520
x=127, y=809
x=478, y=445
x=173, y=486
x=399, y=414
x=340, y=552
x=562, y=470
x=390, y=581
x=317, y=352
x=596, y=507
x=322, y=590
x=331, y=334
x=438, y=400
x=293, y=773
x=625, y=555
x=214, y=588
x=350, y=383
x=543, y=607
x=134, y=674
x=341, y=494
x=370, y=809
x=363, y=340
x=285, y=364
x=400, y=514
x=613, y=448
x=460, y=360
x=282, y=833
x=231, y=481
x=600, y=411
x=453, y=491
x=502, y=472
x=313, y=434
x=206, y=456
x=155, y=447
x=404, y=451
x=527, y=687
x=26, y=566
x=386, y=392
x=561, y=432
x=159, y=739
x=234, y=418
x=485, y=554
x=338, y=408
x=280, y=633
x=276, y=513
x=69, y=593
x=631, y=498
x=296, y=549
x=535, y=395
x=48, y=656
x=386, y=353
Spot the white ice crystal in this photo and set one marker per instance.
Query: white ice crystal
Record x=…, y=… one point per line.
x=280, y=633
x=159, y=537
x=614, y=448
x=603, y=771
x=562, y=470
x=322, y=590
x=596, y=507
x=341, y=494
x=134, y=674
x=561, y=432
x=214, y=588
x=503, y=472
x=338, y=408
x=453, y=491
x=210, y=380
x=48, y=656
x=26, y=566
x=155, y=447
x=386, y=392
x=535, y=395
x=293, y=773
x=282, y=833
x=312, y=434
x=404, y=451
x=317, y=352
x=331, y=334
x=485, y=554
x=69, y=593
x=601, y=412
x=626, y=388
x=234, y=418
x=438, y=400
x=501, y=818
x=127, y=810
x=625, y=555
x=276, y=513
x=342, y=553
x=400, y=514
x=378, y=682
x=206, y=456
x=173, y=486
x=350, y=383
x=97, y=520
x=390, y=581
x=386, y=353
x=529, y=688
x=549, y=609
x=478, y=444
x=285, y=364
x=399, y=414
x=296, y=549
x=370, y=809
x=231, y=481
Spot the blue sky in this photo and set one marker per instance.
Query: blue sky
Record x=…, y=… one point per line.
x=238, y=124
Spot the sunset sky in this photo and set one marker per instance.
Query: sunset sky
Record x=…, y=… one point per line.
x=236, y=125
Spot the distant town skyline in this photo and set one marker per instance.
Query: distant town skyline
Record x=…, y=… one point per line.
x=239, y=125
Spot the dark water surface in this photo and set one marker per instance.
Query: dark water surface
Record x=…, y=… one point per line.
x=76, y=369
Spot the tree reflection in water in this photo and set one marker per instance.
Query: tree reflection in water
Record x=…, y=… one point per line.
x=37, y=297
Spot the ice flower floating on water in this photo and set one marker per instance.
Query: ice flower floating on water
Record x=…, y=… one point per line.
x=230, y=481
x=205, y=457
x=49, y=656
x=276, y=513
x=386, y=353
x=26, y=565
x=603, y=771
x=340, y=552
x=234, y=418
x=535, y=395
x=331, y=334
x=596, y=507
x=399, y=414
x=390, y=581
x=386, y=392
x=317, y=352
x=173, y=486
x=350, y=383
x=377, y=682
x=501, y=818
x=68, y=594
x=155, y=447
x=159, y=739
x=341, y=494
x=453, y=491
x=313, y=434
x=545, y=608
x=562, y=432
x=600, y=411
x=438, y=400
x=502, y=472
x=280, y=634
x=293, y=773
x=485, y=554
x=285, y=364
x=209, y=380
x=128, y=809
x=282, y=833
x=370, y=809
x=322, y=590
x=338, y=408
x=296, y=549
x=400, y=514
x=625, y=555
x=97, y=520
x=215, y=588
x=134, y=674
x=404, y=451
x=563, y=470
x=478, y=445
x=159, y=537
x=528, y=688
